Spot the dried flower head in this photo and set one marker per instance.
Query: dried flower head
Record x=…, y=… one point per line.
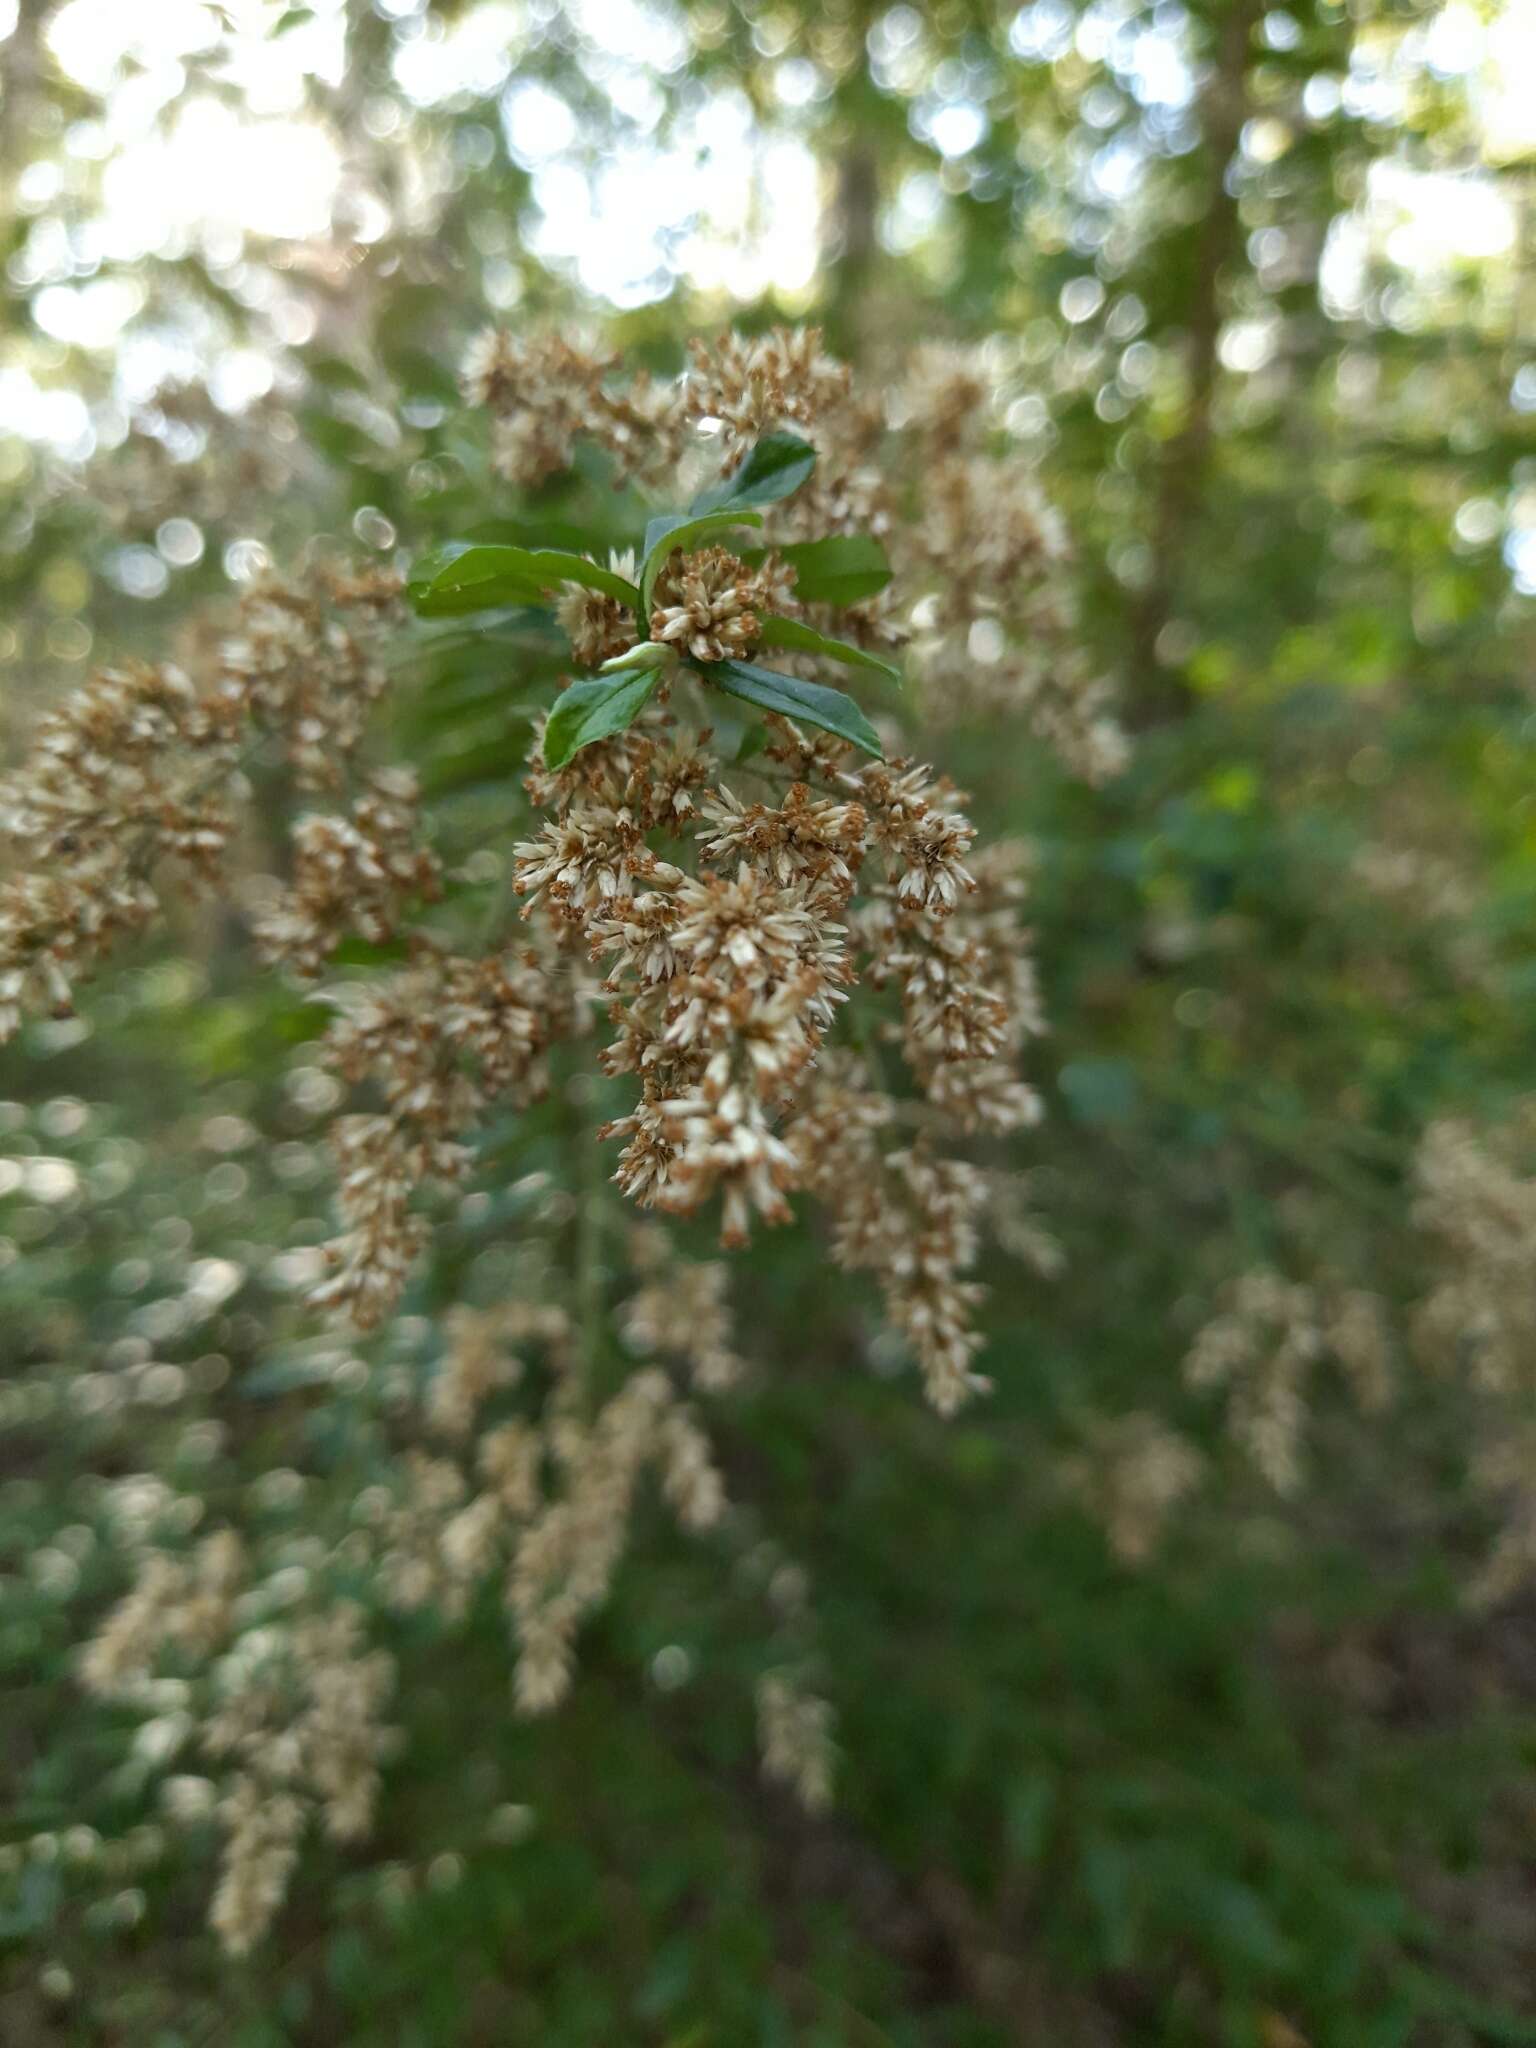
x=1263, y=1347
x=1132, y=1474
x=766, y=963
x=707, y=604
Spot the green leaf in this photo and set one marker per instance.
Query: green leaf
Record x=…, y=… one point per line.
x=681, y=530
x=435, y=591
x=1027, y=1807
x=335, y=372
x=838, y=570
x=777, y=632
x=472, y=576
x=555, y=565
x=593, y=710
x=778, y=465
x=808, y=702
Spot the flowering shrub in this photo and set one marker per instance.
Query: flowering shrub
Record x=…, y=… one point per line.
x=732, y=933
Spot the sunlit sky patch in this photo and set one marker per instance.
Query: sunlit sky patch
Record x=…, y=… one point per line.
x=206, y=138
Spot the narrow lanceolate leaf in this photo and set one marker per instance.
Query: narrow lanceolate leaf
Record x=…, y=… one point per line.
x=838, y=570
x=803, y=639
x=472, y=576
x=681, y=530
x=809, y=703
x=779, y=464
x=595, y=710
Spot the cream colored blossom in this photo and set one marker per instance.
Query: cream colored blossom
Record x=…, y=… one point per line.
x=772, y=380
x=134, y=770
x=1132, y=1474
x=795, y=1737
x=798, y=976
x=354, y=874
x=1477, y=1210
x=1263, y=1349
x=289, y=1711
x=682, y=1310
x=306, y=659
x=708, y=604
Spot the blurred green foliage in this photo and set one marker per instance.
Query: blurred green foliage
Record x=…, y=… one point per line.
x=1274, y=1788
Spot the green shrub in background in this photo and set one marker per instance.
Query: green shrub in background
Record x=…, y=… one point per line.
x=1131, y=1744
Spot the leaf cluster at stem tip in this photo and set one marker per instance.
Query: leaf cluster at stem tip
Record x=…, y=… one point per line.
x=840, y=569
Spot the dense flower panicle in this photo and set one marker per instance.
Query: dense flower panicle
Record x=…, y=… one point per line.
x=350, y=875
x=916, y=823
x=566, y=1556
x=998, y=631
x=771, y=380
x=908, y=1219
x=132, y=771
x=560, y=1497
x=795, y=1737
x=682, y=1310
x=544, y=393
x=819, y=840
x=128, y=750
x=730, y=978
x=527, y=1491
x=161, y=470
x=541, y=392
x=142, y=767
x=1133, y=1472
x=185, y=1603
x=1263, y=1347
x=995, y=630
x=586, y=859
x=982, y=590
x=283, y=1702
x=478, y=1362
x=708, y=603
x=263, y=1830
x=291, y=1709
x=1477, y=1210
x=1481, y=1214
x=306, y=660
x=55, y=928
x=440, y=1041
x=424, y=1557
x=1355, y=1333
x=795, y=971
x=598, y=626
x=949, y=394
x=381, y=1165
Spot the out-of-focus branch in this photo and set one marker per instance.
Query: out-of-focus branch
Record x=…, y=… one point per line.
x=851, y=242
x=1185, y=464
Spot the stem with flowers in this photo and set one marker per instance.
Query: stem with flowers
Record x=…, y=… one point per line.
x=821, y=993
